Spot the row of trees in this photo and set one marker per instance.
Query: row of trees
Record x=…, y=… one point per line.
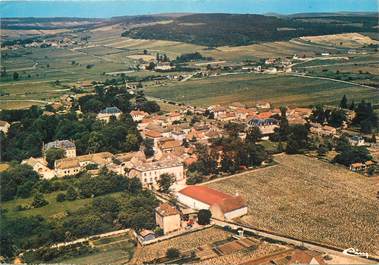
x=335, y=117
x=365, y=118
x=25, y=139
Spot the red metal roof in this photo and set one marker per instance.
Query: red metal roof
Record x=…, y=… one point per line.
x=210, y=196
x=205, y=194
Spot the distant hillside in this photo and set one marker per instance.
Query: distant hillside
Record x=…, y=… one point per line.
x=32, y=23
x=236, y=29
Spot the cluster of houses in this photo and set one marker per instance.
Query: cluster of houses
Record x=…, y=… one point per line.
x=65, y=42
x=172, y=138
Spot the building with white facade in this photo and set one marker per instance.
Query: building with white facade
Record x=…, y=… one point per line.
x=138, y=115
x=68, y=147
x=222, y=206
x=39, y=165
x=149, y=172
x=107, y=113
x=167, y=217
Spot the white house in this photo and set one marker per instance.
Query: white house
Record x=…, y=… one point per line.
x=107, y=113
x=138, y=115
x=39, y=165
x=68, y=147
x=222, y=205
x=167, y=217
x=149, y=172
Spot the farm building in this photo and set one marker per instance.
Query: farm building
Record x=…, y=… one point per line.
x=222, y=205
x=146, y=235
x=167, y=217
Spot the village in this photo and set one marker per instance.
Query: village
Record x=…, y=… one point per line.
x=168, y=163
x=189, y=132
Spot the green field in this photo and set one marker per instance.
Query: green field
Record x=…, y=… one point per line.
x=249, y=88
x=119, y=251
x=108, y=52
x=53, y=210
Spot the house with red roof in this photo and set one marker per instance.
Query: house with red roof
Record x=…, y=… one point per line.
x=138, y=115
x=222, y=206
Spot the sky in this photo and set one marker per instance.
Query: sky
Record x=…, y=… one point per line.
x=110, y=8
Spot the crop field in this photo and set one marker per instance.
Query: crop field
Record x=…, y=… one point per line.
x=239, y=256
x=350, y=40
x=118, y=251
x=249, y=88
x=312, y=200
x=183, y=243
x=266, y=50
x=18, y=104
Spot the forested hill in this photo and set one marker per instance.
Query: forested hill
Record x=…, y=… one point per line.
x=236, y=29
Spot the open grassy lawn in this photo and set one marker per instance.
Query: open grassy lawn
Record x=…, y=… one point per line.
x=249, y=88
x=308, y=199
x=53, y=210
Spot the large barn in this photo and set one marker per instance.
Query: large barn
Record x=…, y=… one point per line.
x=222, y=206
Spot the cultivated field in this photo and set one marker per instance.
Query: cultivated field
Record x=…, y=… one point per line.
x=249, y=88
x=266, y=50
x=111, y=250
x=184, y=243
x=350, y=40
x=246, y=254
x=308, y=199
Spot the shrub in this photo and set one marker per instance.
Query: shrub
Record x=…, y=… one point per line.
x=172, y=253
x=204, y=217
x=39, y=200
x=61, y=197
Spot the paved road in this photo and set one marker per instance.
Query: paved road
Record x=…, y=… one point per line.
x=335, y=80
x=291, y=241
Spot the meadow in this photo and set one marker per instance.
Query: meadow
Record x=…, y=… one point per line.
x=53, y=210
x=312, y=200
x=249, y=88
x=108, y=52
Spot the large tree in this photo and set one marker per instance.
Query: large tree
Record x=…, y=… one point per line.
x=253, y=135
x=53, y=154
x=165, y=181
x=343, y=103
x=204, y=217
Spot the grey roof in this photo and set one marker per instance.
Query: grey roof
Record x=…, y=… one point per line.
x=263, y=122
x=63, y=144
x=111, y=110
